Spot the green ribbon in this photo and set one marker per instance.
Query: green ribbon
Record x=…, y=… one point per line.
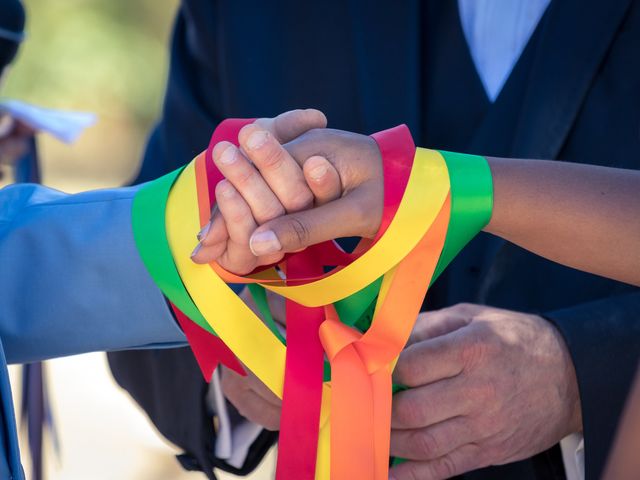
x=149, y=231
x=471, y=188
x=471, y=207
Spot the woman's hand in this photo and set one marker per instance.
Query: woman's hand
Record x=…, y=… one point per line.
x=325, y=184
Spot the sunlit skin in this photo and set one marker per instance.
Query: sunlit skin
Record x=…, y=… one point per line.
x=582, y=216
x=515, y=366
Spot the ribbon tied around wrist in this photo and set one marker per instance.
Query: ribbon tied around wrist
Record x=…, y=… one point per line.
x=348, y=315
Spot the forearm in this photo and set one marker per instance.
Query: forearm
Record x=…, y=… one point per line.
x=582, y=216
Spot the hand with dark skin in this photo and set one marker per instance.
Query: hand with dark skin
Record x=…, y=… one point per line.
x=582, y=216
x=500, y=384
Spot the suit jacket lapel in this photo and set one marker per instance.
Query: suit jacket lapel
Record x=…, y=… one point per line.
x=388, y=45
x=573, y=44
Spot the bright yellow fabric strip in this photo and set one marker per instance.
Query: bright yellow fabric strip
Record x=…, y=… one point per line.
x=243, y=331
x=246, y=335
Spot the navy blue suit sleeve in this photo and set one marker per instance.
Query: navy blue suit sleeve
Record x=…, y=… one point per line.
x=603, y=338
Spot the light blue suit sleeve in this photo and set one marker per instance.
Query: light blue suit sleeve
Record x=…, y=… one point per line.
x=71, y=280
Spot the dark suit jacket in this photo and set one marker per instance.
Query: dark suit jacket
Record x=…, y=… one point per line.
x=574, y=96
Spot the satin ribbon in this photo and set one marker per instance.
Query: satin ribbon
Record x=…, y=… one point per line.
x=259, y=355
x=148, y=220
x=405, y=255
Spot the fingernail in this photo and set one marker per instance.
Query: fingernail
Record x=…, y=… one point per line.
x=318, y=172
x=196, y=250
x=264, y=243
x=257, y=139
x=228, y=156
x=203, y=232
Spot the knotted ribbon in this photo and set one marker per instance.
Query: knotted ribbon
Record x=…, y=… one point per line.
x=435, y=202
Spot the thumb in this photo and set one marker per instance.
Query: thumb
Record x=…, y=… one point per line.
x=343, y=217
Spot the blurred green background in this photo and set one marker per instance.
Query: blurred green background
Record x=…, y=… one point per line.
x=105, y=56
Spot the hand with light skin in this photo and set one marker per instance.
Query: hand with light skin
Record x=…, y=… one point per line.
x=582, y=216
x=232, y=238
x=514, y=366
x=262, y=183
x=499, y=387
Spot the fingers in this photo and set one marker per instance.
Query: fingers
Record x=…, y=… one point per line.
x=430, y=404
x=431, y=360
x=251, y=398
x=431, y=442
x=215, y=231
x=240, y=223
x=437, y=323
x=280, y=171
x=248, y=182
x=356, y=215
x=461, y=460
x=323, y=179
x=289, y=125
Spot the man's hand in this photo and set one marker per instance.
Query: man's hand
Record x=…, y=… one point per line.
x=489, y=387
x=249, y=395
x=261, y=218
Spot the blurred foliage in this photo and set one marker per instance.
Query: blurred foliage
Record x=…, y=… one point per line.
x=105, y=56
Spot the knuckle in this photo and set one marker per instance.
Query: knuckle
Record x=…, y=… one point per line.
x=270, y=211
x=300, y=199
x=244, y=177
x=299, y=231
x=247, y=411
x=237, y=216
x=271, y=157
x=407, y=370
x=408, y=412
x=489, y=391
x=480, y=345
x=427, y=444
x=413, y=473
x=464, y=306
x=230, y=387
x=444, y=467
x=360, y=218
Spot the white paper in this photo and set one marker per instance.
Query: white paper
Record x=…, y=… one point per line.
x=63, y=124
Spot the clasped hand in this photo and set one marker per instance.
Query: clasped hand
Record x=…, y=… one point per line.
x=489, y=386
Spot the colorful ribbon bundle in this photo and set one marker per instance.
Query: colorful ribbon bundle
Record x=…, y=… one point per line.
x=335, y=419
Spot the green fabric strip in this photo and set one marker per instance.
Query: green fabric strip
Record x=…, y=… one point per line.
x=149, y=231
x=471, y=187
x=471, y=203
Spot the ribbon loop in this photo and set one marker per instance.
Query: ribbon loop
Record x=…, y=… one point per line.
x=359, y=313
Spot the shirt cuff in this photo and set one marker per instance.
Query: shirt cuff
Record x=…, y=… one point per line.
x=234, y=434
x=572, y=447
